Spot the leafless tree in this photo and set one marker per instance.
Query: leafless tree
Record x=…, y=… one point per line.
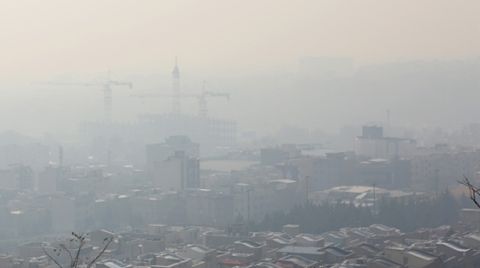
x=73, y=255
x=473, y=191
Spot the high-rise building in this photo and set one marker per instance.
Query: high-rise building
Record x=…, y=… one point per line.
x=178, y=172
x=373, y=144
x=157, y=152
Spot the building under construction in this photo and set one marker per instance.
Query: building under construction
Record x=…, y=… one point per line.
x=214, y=135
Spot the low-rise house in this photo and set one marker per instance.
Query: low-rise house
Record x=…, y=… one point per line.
x=472, y=240
x=233, y=259
x=279, y=241
x=309, y=240
x=312, y=253
x=164, y=260
x=452, y=249
x=201, y=256
x=217, y=239
x=365, y=249
x=291, y=229
x=380, y=262
x=295, y=261
x=336, y=254
x=112, y=264
x=264, y=265
x=248, y=246
x=335, y=238
x=421, y=259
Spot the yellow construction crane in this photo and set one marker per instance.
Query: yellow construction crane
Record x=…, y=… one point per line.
x=107, y=91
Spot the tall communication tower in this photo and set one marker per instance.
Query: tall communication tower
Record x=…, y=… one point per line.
x=176, y=89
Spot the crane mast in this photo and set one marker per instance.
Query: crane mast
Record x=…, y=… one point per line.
x=107, y=92
x=201, y=99
x=108, y=96
x=176, y=105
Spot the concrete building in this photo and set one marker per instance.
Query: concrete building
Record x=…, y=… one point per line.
x=17, y=177
x=392, y=173
x=178, y=172
x=158, y=152
x=326, y=171
x=62, y=213
x=373, y=144
x=207, y=207
x=279, y=154
x=49, y=179
x=358, y=195
x=436, y=170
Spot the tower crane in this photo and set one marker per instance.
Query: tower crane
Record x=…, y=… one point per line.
x=202, y=98
x=106, y=88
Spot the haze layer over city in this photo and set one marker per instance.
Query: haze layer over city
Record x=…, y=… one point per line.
x=259, y=134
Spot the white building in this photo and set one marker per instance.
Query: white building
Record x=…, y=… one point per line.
x=373, y=144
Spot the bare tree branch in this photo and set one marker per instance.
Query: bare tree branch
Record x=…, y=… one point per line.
x=68, y=251
x=81, y=240
x=51, y=258
x=473, y=191
x=75, y=260
x=108, y=241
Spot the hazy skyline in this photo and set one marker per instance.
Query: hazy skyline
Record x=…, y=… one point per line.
x=41, y=38
x=246, y=133
x=217, y=39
